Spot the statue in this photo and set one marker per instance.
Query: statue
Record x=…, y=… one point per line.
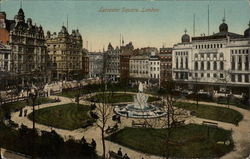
x=140, y=87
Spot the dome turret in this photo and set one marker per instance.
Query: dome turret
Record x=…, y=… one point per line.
x=223, y=27
x=185, y=38
x=247, y=32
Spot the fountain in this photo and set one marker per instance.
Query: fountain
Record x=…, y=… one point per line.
x=139, y=108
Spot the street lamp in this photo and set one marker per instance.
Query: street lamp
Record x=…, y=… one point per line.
x=33, y=96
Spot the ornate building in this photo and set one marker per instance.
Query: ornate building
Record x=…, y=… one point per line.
x=112, y=60
x=166, y=63
x=213, y=61
x=5, y=51
x=65, y=54
x=126, y=53
x=96, y=64
x=28, y=50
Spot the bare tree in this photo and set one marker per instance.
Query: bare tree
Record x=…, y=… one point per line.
x=175, y=116
x=104, y=112
x=224, y=78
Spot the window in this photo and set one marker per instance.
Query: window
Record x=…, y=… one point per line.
x=221, y=65
x=202, y=55
x=215, y=65
x=202, y=65
x=177, y=66
x=239, y=78
x=196, y=65
x=221, y=75
x=196, y=74
x=240, y=63
x=181, y=63
x=186, y=63
x=196, y=55
x=233, y=78
x=208, y=74
x=202, y=75
x=208, y=55
x=233, y=63
x=208, y=65
x=221, y=55
x=215, y=75
x=246, y=78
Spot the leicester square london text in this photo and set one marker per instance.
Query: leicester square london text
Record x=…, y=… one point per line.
x=126, y=10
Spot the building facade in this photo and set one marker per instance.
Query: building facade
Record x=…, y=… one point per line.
x=96, y=64
x=139, y=68
x=213, y=61
x=5, y=51
x=165, y=56
x=85, y=63
x=126, y=53
x=112, y=60
x=154, y=68
x=65, y=54
x=28, y=51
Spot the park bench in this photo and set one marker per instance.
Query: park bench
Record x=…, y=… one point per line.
x=210, y=123
x=114, y=155
x=111, y=129
x=144, y=124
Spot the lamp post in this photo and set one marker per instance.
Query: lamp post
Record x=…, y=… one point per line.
x=33, y=96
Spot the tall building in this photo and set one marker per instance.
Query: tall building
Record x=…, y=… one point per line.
x=166, y=63
x=144, y=68
x=126, y=53
x=28, y=50
x=139, y=68
x=65, y=54
x=96, y=64
x=213, y=62
x=5, y=51
x=85, y=63
x=112, y=60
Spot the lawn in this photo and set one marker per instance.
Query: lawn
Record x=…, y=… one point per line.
x=91, y=88
x=117, y=98
x=20, y=104
x=212, y=112
x=67, y=116
x=190, y=141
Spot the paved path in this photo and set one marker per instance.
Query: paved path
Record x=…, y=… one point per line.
x=241, y=134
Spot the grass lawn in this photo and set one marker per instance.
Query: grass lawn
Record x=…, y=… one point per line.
x=117, y=98
x=20, y=104
x=67, y=116
x=187, y=141
x=212, y=112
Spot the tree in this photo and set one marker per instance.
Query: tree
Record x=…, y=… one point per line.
x=224, y=78
x=175, y=116
x=104, y=112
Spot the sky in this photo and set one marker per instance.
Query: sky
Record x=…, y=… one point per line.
x=165, y=26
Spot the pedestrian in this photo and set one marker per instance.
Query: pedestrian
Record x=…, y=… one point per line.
x=25, y=112
x=83, y=140
x=126, y=156
x=93, y=143
x=119, y=152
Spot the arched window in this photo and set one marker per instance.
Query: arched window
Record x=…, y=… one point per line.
x=208, y=65
x=196, y=55
x=202, y=65
x=215, y=65
x=196, y=65
x=221, y=65
x=221, y=55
